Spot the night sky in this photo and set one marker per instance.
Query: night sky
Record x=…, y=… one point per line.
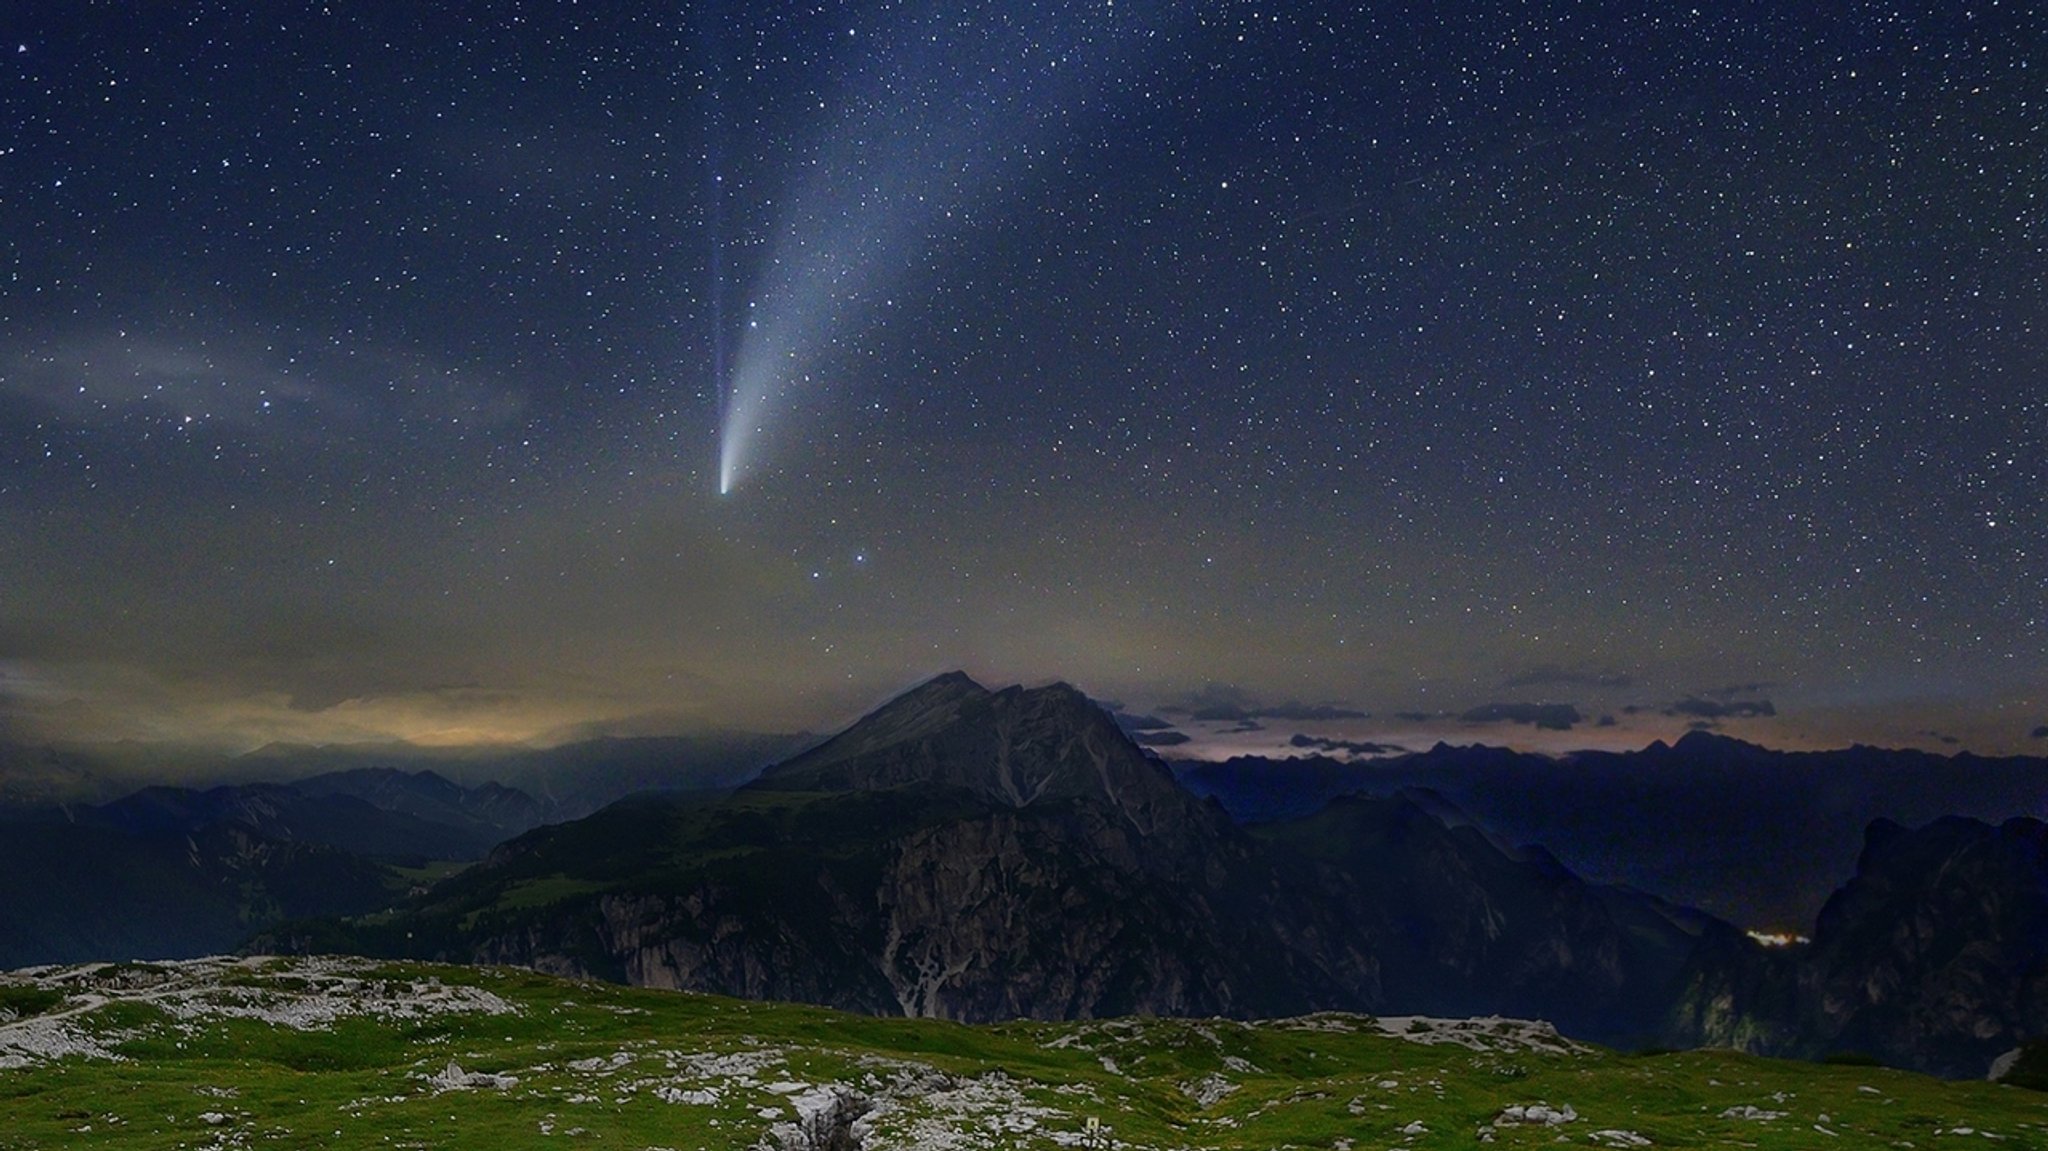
x=1549, y=374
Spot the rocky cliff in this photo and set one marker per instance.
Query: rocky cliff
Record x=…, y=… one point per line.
x=1934, y=956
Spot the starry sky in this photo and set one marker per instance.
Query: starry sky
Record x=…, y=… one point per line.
x=1548, y=374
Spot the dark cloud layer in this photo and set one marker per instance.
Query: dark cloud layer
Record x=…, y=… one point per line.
x=1721, y=708
x=1159, y=738
x=1347, y=746
x=1548, y=716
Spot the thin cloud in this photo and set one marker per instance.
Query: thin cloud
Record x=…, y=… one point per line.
x=1347, y=746
x=1700, y=707
x=1544, y=716
x=1159, y=738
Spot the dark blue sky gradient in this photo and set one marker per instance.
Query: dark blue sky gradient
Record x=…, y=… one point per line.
x=358, y=365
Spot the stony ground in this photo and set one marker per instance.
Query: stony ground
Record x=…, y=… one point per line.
x=244, y=1054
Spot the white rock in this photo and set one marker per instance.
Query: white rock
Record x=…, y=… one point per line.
x=1542, y=1114
x=1209, y=1091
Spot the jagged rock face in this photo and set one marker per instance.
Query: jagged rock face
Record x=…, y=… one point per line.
x=1051, y=912
x=1055, y=915
x=1938, y=947
x=1736, y=994
x=1935, y=956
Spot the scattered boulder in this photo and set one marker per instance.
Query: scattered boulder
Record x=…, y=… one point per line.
x=1535, y=1114
x=454, y=1078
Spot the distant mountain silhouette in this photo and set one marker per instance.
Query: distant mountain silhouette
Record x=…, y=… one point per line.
x=567, y=781
x=71, y=892
x=168, y=872
x=1757, y=836
x=495, y=812
x=283, y=812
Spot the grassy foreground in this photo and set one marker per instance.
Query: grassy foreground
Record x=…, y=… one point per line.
x=340, y=1053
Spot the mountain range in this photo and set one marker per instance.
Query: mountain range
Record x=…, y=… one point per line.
x=172, y=872
x=980, y=855
x=1754, y=835
x=568, y=780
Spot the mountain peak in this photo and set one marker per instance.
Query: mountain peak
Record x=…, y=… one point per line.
x=1017, y=747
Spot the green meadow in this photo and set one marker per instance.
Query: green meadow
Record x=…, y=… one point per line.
x=343, y=1053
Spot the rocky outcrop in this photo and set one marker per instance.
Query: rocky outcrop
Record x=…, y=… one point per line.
x=826, y=1120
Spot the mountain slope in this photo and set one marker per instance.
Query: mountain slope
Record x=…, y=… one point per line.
x=284, y=812
x=920, y=900
x=169, y=871
x=1934, y=956
x=70, y=893
x=1460, y=925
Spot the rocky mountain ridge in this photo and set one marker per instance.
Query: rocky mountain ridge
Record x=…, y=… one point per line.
x=977, y=855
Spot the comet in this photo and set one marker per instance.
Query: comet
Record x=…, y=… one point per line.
x=936, y=113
